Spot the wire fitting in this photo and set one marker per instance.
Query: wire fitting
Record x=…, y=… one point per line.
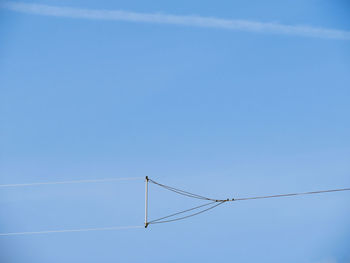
x=221, y=200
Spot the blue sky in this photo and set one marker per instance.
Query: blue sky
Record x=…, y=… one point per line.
x=216, y=111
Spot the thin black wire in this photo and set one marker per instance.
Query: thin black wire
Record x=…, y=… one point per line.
x=179, y=191
x=181, y=212
x=293, y=194
x=200, y=212
x=182, y=192
x=219, y=202
x=188, y=194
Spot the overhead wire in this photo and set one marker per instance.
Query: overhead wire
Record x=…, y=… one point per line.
x=214, y=202
x=70, y=230
x=181, y=212
x=292, y=194
x=72, y=182
x=200, y=212
x=217, y=202
x=181, y=192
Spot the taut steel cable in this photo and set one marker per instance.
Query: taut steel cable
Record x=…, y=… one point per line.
x=216, y=202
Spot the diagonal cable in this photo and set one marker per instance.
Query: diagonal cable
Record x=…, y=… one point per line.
x=185, y=193
x=182, y=192
x=181, y=212
x=292, y=194
x=179, y=191
x=200, y=212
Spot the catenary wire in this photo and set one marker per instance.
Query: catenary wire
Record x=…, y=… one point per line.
x=70, y=230
x=247, y=198
x=181, y=212
x=159, y=220
x=182, y=192
x=292, y=194
x=179, y=191
x=219, y=202
x=185, y=193
x=200, y=212
x=73, y=182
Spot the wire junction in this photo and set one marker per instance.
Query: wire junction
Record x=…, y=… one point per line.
x=213, y=203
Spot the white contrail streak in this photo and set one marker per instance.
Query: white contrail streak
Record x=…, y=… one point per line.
x=70, y=230
x=184, y=20
x=74, y=182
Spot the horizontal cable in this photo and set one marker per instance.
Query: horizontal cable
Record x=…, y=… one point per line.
x=292, y=194
x=200, y=212
x=73, y=182
x=70, y=230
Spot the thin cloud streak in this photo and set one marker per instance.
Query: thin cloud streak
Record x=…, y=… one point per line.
x=193, y=21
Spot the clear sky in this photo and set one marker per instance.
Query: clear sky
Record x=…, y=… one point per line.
x=196, y=103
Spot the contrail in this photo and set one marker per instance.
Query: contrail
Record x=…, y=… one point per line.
x=182, y=20
x=73, y=182
x=70, y=230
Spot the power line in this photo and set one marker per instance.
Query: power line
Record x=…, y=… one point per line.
x=212, y=204
x=184, y=217
x=181, y=212
x=292, y=194
x=181, y=192
x=217, y=202
x=70, y=230
x=72, y=182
